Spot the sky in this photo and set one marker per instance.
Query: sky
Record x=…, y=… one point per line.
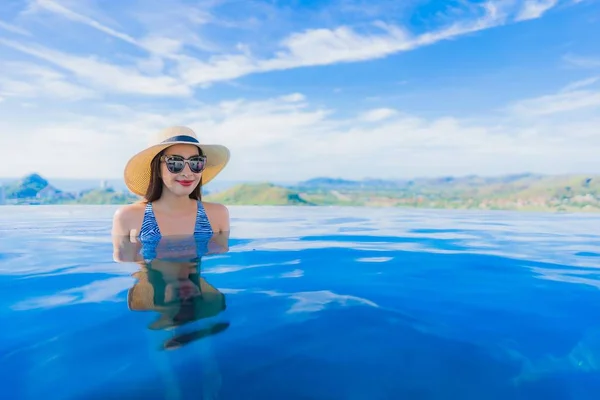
x=300, y=89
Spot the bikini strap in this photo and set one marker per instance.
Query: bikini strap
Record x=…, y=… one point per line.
x=149, y=227
x=203, y=226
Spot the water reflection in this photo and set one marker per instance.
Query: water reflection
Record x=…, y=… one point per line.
x=169, y=283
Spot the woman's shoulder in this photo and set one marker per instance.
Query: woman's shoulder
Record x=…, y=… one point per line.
x=218, y=213
x=128, y=217
x=214, y=206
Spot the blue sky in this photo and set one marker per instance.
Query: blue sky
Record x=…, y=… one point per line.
x=298, y=89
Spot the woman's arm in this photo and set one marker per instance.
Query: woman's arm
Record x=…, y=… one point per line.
x=126, y=247
x=218, y=215
x=219, y=243
x=126, y=250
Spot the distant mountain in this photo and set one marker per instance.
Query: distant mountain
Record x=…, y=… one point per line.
x=447, y=181
x=257, y=194
x=105, y=196
x=78, y=185
x=34, y=189
x=75, y=184
x=524, y=191
x=337, y=183
x=324, y=181
x=517, y=191
x=29, y=186
x=527, y=192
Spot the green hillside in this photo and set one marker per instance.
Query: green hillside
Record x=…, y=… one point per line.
x=257, y=194
x=525, y=192
x=105, y=196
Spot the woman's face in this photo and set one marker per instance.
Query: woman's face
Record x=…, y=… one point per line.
x=180, y=181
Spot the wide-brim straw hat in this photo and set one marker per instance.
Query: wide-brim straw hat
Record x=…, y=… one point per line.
x=137, y=170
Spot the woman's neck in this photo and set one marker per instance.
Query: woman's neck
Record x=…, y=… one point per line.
x=174, y=204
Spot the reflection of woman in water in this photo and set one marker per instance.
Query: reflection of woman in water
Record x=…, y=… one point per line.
x=177, y=292
x=169, y=174
x=169, y=284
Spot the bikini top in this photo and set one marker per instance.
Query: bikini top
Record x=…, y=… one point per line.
x=154, y=244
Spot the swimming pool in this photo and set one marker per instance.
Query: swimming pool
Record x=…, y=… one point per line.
x=308, y=303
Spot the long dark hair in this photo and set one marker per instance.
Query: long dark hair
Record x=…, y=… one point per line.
x=155, y=185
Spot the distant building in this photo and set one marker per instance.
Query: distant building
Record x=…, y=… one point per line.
x=2, y=195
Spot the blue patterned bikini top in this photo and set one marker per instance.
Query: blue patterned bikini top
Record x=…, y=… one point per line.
x=153, y=243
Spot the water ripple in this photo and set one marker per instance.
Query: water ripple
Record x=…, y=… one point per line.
x=339, y=302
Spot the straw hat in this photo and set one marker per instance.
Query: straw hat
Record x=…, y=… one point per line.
x=137, y=170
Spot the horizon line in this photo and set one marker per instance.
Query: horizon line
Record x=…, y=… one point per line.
x=366, y=178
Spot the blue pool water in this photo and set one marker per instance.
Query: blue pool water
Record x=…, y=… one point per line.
x=308, y=303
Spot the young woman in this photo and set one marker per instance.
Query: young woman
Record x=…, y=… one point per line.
x=169, y=175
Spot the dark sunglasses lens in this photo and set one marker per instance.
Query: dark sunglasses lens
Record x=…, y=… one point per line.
x=175, y=165
x=196, y=164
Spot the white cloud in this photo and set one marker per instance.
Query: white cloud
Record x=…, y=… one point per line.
x=164, y=54
x=170, y=35
x=105, y=76
x=293, y=98
x=557, y=103
x=57, y=8
x=533, y=9
x=315, y=47
x=582, y=61
x=378, y=114
x=33, y=81
x=343, y=44
x=270, y=139
x=581, y=83
x=570, y=98
x=167, y=30
x=14, y=29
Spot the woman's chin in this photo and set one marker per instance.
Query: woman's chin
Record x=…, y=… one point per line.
x=181, y=190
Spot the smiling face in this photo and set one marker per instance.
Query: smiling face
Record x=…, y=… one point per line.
x=177, y=169
x=181, y=182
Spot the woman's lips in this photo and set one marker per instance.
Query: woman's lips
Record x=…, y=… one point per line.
x=185, y=183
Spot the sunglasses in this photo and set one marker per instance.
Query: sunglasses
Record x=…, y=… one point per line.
x=176, y=164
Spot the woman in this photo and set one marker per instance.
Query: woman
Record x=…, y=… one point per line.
x=169, y=174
